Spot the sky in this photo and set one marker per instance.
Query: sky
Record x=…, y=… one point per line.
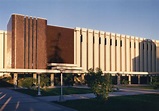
x=139, y=18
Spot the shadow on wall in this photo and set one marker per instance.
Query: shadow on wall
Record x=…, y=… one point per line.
x=146, y=61
x=56, y=55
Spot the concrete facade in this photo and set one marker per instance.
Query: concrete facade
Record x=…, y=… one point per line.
x=115, y=52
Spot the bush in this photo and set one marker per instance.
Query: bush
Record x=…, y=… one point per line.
x=44, y=80
x=27, y=82
x=99, y=83
x=155, y=82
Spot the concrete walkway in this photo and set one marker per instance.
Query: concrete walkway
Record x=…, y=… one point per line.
x=14, y=101
x=122, y=92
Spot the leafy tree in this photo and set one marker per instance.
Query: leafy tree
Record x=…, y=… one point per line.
x=100, y=83
x=155, y=82
x=27, y=82
x=44, y=80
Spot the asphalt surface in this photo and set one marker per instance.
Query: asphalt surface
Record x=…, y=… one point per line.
x=14, y=101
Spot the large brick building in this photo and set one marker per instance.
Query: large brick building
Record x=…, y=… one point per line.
x=30, y=43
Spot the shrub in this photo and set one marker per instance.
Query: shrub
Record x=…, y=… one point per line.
x=27, y=82
x=100, y=83
x=155, y=82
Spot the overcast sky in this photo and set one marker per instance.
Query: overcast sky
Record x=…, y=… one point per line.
x=130, y=17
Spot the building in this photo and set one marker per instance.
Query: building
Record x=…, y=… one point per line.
x=33, y=44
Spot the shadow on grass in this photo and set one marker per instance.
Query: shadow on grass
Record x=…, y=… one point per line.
x=148, y=102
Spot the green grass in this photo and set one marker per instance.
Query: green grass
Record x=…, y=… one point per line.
x=55, y=91
x=148, y=102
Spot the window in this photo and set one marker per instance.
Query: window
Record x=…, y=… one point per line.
x=134, y=45
x=115, y=42
x=93, y=40
x=120, y=43
x=105, y=41
x=81, y=38
x=99, y=40
x=110, y=41
x=130, y=44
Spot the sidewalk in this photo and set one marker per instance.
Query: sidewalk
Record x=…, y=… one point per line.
x=122, y=92
x=14, y=101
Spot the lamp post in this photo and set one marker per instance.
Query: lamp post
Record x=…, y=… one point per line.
x=61, y=98
x=39, y=92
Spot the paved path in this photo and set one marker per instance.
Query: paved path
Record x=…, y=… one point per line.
x=15, y=101
x=122, y=92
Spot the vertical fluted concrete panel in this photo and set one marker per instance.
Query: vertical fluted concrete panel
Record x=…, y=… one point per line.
x=123, y=53
x=137, y=57
x=141, y=52
x=84, y=48
x=102, y=58
x=90, y=48
x=77, y=50
x=26, y=36
x=30, y=43
x=19, y=41
x=128, y=53
x=34, y=43
x=1, y=51
x=157, y=56
x=117, y=55
x=96, y=49
x=113, y=59
x=145, y=56
x=153, y=56
x=132, y=55
x=41, y=44
x=107, y=52
x=149, y=57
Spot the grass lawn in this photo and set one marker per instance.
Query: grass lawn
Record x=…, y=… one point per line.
x=141, y=87
x=55, y=91
x=149, y=102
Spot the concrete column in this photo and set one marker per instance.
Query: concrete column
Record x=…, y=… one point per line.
x=128, y=53
x=112, y=52
x=52, y=79
x=90, y=48
x=149, y=57
x=77, y=53
x=138, y=79
x=133, y=68
x=123, y=58
x=118, y=79
x=107, y=52
x=15, y=79
x=102, y=56
x=145, y=57
x=129, y=79
x=96, y=49
x=153, y=57
x=151, y=79
x=137, y=57
x=34, y=77
x=84, y=48
x=141, y=55
x=118, y=64
x=82, y=77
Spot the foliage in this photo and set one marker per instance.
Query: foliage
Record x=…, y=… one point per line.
x=27, y=82
x=68, y=79
x=44, y=80
x=100, y=83
x=125, y=82
x=155, y=82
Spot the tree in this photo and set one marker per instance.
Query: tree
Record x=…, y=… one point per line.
x=99, y=83
x=155, y=82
